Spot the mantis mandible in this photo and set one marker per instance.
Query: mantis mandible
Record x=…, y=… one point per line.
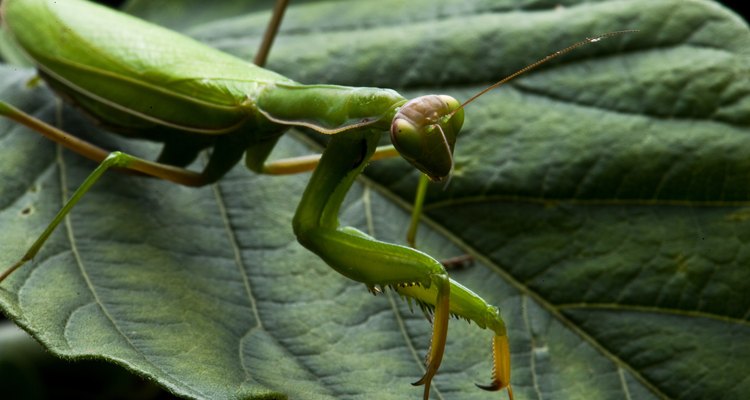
x=134, y=78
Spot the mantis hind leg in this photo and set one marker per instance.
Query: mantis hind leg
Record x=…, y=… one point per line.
x=358, y=256
x=113, y=160
x=227, y=153
x=95, y=153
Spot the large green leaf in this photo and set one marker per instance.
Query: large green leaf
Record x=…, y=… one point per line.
x=604, y=198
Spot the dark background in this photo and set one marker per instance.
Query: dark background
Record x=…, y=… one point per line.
x=737, y=6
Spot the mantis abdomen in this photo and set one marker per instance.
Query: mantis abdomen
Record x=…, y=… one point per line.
x=132, y=75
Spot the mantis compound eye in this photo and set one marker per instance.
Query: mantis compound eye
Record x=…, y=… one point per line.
x=424, y=133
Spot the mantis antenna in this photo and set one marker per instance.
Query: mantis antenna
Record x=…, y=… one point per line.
x=539, y=62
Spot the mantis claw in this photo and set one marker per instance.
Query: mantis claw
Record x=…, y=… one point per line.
x=494, y=387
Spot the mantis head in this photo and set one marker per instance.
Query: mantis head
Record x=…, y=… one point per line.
x=424, y=133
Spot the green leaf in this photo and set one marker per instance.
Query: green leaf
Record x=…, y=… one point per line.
x=604, y=198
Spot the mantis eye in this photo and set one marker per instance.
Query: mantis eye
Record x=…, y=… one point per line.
x=424, y=133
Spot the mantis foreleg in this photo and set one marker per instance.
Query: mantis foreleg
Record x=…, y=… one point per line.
x=360, y=257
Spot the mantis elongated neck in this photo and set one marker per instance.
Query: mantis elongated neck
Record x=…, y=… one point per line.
x=329, y=109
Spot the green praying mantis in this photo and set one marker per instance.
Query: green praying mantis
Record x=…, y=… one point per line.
x=132, y=77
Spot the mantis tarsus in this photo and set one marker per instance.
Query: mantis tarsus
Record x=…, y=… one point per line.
x=220, y=102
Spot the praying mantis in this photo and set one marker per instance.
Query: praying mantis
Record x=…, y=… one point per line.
x=247, y=118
